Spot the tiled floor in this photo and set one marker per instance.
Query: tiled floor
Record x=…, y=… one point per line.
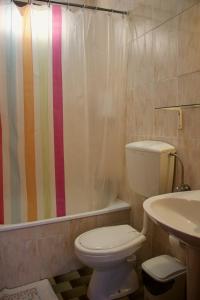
x=73, y=286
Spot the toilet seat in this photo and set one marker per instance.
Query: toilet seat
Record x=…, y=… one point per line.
x=109, y=243
x=106, y=238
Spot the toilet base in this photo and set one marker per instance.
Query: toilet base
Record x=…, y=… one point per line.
x=113, y=283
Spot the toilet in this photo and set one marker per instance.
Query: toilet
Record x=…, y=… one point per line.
x=110, y=251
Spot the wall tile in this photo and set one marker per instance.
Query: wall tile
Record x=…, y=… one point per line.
x=188, y=88
x=87, y=224
x=140, y=18
x=53, y=253
x=146, y=15
x=191, y=123
x=188, y=41
x=114, y=219
x=185, y=4
x=142, y=60
x=163, y=10
x=166, y=123
x=165, y=46
x=140, y=117
x=165, y=92
x=189, y=151
x=20, y=261
x=2, y=273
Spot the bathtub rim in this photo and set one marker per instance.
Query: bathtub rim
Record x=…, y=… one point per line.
x=116, y=206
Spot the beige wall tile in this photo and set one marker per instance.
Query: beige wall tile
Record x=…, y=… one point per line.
x=163, y=10
x=188, y=41
x=146, y=15
x=114, y=219
x=185, y=4
x=191, y=123
x=189, y=151
x=53, y=255
x=166, y=124
x=141, y=69
x=141, y=112
x=165, y=45
x=165, y=92
x=87, y=224
x=2, y=274
x=20, y=263
x=141, y=18
x=188, y=88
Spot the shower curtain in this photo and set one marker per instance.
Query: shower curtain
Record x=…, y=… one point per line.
x=62, y=110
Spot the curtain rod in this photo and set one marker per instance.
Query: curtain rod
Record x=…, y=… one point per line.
x=75, y=5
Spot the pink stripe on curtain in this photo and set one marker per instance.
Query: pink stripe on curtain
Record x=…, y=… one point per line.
x=1, y=179
x=58, y=110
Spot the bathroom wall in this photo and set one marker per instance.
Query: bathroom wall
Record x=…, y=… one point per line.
x=33, y=253
x=164, y=70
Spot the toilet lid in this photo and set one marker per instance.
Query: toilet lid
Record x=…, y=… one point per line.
x=108, y=237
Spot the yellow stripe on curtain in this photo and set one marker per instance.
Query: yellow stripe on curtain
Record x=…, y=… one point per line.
x=43, y=122
x=29, y=126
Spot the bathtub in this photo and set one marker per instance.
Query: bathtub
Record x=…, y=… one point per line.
x=43, y=249
x=116, y=206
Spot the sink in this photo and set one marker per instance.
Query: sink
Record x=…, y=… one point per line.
x=179, y=214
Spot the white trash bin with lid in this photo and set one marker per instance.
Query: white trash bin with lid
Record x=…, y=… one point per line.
x=164, y=278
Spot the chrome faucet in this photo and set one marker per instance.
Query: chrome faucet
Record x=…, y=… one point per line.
x=183, y=187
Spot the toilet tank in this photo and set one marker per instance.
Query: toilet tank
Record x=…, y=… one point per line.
x=150, y=168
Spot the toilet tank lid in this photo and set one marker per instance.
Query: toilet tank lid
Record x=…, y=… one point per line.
x=108, y=237
x=163, y=268
x=151, y=146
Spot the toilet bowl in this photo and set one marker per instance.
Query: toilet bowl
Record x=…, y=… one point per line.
x=109, y=251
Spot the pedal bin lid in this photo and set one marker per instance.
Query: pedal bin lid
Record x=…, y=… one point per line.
x=164, y=268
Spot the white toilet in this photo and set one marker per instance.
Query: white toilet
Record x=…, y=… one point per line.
x=110, y=250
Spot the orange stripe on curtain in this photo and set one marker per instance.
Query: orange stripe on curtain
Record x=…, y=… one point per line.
x=29, y=118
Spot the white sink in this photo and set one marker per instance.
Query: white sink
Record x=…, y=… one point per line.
x=177, y=213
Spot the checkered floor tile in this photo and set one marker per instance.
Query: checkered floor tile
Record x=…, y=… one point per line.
x=73, y=286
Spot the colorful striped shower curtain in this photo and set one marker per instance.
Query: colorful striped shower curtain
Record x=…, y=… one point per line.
x=62, y=106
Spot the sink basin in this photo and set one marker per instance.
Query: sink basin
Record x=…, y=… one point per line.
x=177, y=213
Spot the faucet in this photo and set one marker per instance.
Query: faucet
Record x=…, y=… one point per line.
x=183, y=187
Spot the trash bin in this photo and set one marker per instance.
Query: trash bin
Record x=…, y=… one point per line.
x=164, y=278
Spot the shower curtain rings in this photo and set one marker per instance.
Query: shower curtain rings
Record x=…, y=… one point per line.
x=110, y=12
x=49, y=3
x=67, y=7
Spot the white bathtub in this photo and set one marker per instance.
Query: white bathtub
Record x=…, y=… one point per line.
x=43, y=249
x=116, y=206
